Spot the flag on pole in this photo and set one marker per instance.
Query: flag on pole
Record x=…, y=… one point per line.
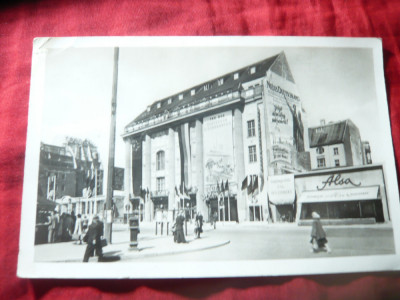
x=255, y=185
x=177, y=191
x=222, y=186
x=244, y=183
x=227, y=186
x=250, y=186
x=218, y=190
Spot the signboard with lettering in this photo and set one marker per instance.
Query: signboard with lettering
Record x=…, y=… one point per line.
x=218, y=150
x=281, y=189
x=348, y=194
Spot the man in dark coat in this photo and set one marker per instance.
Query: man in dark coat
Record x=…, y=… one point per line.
x=93, y=239
x=199, y=224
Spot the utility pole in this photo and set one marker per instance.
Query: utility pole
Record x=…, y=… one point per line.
x=111, y=151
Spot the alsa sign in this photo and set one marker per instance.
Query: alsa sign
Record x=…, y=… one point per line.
x=337, y=180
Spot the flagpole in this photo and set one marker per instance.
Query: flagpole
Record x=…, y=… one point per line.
x=54, y=188
x=229, y=207
x=95, y=191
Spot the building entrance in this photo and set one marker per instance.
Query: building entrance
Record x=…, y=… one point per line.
x=255, y=213
x=224, y=209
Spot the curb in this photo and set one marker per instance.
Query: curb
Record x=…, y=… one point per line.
x=132, y=254
x=147, y=255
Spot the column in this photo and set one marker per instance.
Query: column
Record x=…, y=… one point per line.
x=127, y=175
x=200, y=203
x=170, y=169
x=146, y=179
x=239, y=163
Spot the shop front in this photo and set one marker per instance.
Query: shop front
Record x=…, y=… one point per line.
x=223, y=208
x=353, y=195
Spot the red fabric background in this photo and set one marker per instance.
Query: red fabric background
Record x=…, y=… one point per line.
x=21, y=21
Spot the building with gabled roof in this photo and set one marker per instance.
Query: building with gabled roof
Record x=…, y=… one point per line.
x=337, y=144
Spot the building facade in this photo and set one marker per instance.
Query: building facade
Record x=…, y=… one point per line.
x=71, y=175
x=337, y=144
x=213, y=146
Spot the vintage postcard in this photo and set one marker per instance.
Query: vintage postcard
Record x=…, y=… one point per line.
x=182, y=157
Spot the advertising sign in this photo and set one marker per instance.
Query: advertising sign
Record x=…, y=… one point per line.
x=218, y=150
x=281, y=189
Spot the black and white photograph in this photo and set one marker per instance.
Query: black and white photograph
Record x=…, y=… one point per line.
x=186, y=157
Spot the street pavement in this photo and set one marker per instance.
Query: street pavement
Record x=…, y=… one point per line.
x=231, y=241
x=150, y=245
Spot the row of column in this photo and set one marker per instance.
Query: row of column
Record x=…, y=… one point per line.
x=170, y=167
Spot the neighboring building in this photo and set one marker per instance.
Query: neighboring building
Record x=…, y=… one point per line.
x=337, y=144
x=344, y=195
x=214, y=145
x=71, y=175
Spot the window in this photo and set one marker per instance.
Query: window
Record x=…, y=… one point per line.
x=321, y=162
x=251, y=128
x=252, y=154
x=320, y=150
x=252, y=70
x=220, y=81
x=160, y=184
x=160, y=160
x=335, y=151
x=235, y=76
x=180, y=96
x=206, y=86
x=192, y=92
x=158, y=104
x=337, y=163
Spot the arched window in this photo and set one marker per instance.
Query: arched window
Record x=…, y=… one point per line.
x=160, y=160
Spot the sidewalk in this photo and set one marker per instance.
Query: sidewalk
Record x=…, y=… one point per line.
x=149, y=245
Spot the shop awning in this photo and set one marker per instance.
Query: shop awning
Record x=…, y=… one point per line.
x=337, y=195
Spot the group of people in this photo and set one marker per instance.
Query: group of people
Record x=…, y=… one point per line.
x=61, y=228
x=177, y=228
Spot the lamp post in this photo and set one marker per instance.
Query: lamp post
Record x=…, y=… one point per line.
x=111, y=152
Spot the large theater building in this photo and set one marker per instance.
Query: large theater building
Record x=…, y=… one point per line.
x=213, y=146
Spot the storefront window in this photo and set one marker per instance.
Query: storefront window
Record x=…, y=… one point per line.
x=344, y=210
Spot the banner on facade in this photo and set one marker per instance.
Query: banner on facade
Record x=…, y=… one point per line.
x=281, y=189
x=218, y=150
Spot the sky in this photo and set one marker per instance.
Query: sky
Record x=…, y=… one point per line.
x=334, y=84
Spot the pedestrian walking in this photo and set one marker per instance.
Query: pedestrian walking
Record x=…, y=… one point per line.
x=85, y=224
x=53, y=224
x=215, y=217
x=180, y=236
x=318, y=235
x=93, y=239
x=199, y=224
x=78, y=231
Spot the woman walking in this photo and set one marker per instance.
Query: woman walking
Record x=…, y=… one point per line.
x=318, y=235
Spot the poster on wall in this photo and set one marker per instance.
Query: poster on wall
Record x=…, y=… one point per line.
x=269, y=126
x=218, y=151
